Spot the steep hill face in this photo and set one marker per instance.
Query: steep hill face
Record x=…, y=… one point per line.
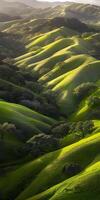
x=49, y=105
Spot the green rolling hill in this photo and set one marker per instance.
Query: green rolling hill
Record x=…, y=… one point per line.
x=52, y=166
x=50, y=104
x=22, y=116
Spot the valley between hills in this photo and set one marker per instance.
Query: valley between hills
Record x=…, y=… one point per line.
x=50, y=103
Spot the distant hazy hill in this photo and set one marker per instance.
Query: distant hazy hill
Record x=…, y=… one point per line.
x=93, y=2
x=29, y=7
x=13, y=8
x=38, y=4
x=44, y=4
x=85, y=12
x=5, y=17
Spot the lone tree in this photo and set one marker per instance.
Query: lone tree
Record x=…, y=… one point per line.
x=5, y=128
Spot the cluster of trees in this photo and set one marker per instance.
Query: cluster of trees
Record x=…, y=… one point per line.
x=12, y=73
x=44, y=103
x=70, y=22
x=22, y=133
x=43, y=143
x=94, y=102
x=94, y=105
x=60, y=130
x=22, y=86
x=11, y=45
x=83, y=90
x=40, y=144
x=81, y=129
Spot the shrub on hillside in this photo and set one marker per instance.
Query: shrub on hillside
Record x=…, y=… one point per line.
x=84, y=90
x=60, y=130
x=29, y=76
x=51, y=110
x=94, y=114
x=94, y=105
x=80, y=129
x=50, y=104
x=72, y=169
x=94, y=102
x=5, y=128
x=50, y=96
x=34, y=86
x=40, y=144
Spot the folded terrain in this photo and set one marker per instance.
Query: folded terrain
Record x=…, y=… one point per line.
x=50, y=105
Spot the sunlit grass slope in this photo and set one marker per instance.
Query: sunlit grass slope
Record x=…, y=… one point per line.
x=41, y=174
x=40, y=52
x=63, y=59
x=84, y=109
x=82, y=186
x=63, y=62
x=86, y=73
x=23, y=117
x=49, y=50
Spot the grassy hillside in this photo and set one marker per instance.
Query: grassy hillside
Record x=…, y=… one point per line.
x=62, y=65
x=16, y=114
x=27, y=123
x=49, y=104
x=52, y=164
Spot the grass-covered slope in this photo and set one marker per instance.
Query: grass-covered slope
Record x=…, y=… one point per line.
x=24, y=117
x=27, y=123
x=35, y=174
x=49, y=105
x=64, y=64
x=75, y=188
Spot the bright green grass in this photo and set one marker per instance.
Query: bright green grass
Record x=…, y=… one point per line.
x=48, y=50
x=52, y=173
x=65, y=66
x=83, y=186
x=45, y=38
x=50, y=62
x=67, y=83
x=24, y=117
x=72, y=138
x=49, y=168
x=62, y=65
x=84, y=109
